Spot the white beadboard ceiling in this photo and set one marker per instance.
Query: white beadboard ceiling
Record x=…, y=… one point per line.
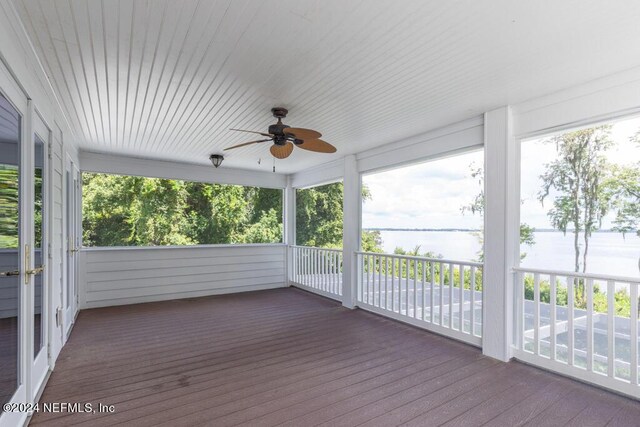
x=166, y=79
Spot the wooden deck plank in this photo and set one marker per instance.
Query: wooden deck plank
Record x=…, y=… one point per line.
x=500, y=402
x=286, y=357
x=564, y=410
x=344, y=400
x=414, y=402
x=600, y=411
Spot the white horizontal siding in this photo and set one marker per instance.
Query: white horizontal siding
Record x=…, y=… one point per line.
x=116, y=276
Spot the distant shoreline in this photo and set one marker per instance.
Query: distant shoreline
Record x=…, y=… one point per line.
x=471, y=230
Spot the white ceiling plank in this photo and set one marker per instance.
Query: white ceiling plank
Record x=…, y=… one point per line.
x=38, y=26
x=180, y=86
x=167, y=79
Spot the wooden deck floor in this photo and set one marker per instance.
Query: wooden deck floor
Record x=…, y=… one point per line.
x=286, y=357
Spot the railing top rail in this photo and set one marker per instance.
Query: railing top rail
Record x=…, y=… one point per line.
x=419, y=258
x=630, y=280
x=316, y=248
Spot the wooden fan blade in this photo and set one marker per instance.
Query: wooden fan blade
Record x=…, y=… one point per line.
x=282, y=151
x=301, y=133
x=252, y=131
x=246, y=143
x=318, y=145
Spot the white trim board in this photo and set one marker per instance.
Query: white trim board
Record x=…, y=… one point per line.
x=127, y=165
x=325, y=173
x=457, y=137
x=445, y=141
x=603, y=99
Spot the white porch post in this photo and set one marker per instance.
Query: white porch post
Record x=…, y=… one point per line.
x=350, y=230
x=289, y=225
x=501, y=232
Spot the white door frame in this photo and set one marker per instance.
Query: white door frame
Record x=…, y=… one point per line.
x=41, y=361
x=12, y=92
x=72, y=245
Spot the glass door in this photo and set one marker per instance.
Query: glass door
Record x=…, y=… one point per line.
x=13, y=238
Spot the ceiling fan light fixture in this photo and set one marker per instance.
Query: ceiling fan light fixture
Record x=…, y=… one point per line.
x=216, y=159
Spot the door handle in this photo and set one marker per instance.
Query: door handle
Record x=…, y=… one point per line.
x=36, y=270
x=27, y=262
x=9, y=273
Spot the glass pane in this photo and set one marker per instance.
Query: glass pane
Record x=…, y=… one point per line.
x=38, y=327
x=9, y=247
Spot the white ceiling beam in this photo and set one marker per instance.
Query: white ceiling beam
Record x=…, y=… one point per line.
x=128, y=165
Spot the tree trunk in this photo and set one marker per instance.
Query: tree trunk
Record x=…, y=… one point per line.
x=586, y=250
x=579, y=294
x=576, y=249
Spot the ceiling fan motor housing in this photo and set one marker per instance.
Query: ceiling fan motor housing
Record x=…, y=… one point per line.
x=278, y=129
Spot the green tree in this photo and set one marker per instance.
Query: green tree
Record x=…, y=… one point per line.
x=477, y=206
x=371, y=241
x=267, y=229
x=319, y=216
x=578, y=179
x=156, y=215
x=105, y=203
x=127, y=210
x=625, y=187
x=8, y=207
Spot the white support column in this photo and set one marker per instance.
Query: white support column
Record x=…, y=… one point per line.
x=501, y=232
x=289, y=224
x=351, y=229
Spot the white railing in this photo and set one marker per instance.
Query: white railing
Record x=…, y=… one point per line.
x=583, y=325
x=317, y=270
x=436, y=294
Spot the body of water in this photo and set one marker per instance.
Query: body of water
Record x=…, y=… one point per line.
x=609, y=253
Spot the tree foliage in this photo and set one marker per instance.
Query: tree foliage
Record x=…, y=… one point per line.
x=578, y=180
x=477, y=207
x=622, y=301
x=319, y=218
x=136, y=211
x=8, y=207
x=625, y=187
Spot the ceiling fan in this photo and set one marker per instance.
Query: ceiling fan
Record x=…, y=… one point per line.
x=284, y=138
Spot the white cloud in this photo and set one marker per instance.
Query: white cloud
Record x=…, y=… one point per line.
x=430, y=195
x=427, y=195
